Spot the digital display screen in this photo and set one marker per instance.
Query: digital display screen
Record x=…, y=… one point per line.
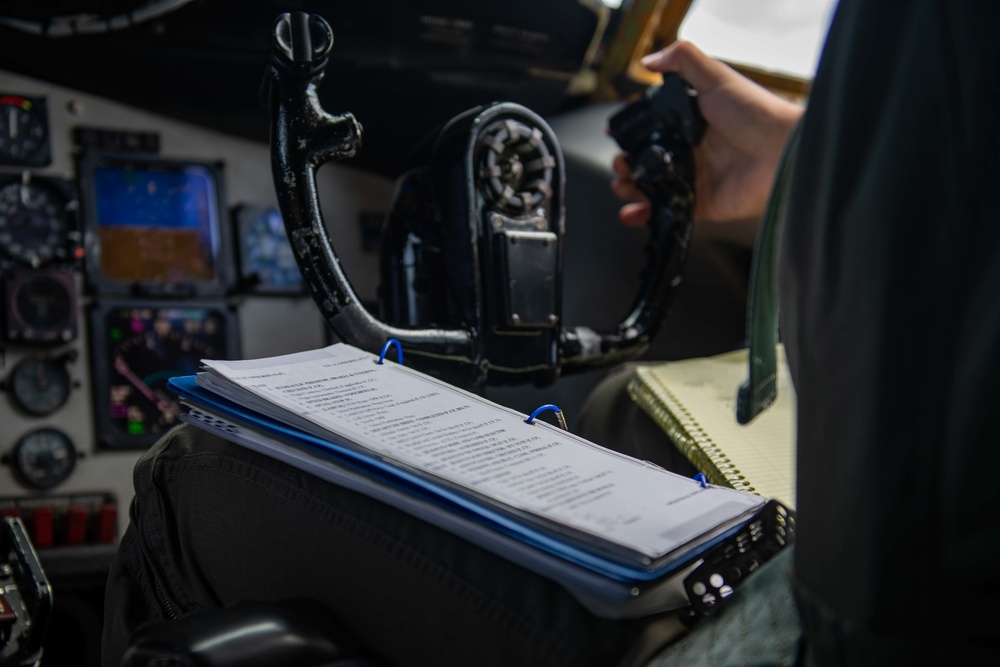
x=157, y=224
x=266, y=258
x=154, y=226
x=138, y=347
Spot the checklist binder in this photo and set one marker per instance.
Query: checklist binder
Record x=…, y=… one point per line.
x=606, y=534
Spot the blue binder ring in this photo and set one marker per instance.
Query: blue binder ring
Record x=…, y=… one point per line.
x=385, y=348
x=554, y=408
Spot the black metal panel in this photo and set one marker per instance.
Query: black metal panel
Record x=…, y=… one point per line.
x=202, y=63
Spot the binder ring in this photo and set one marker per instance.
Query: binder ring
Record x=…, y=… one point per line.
x=554, y=408
x=385, y=348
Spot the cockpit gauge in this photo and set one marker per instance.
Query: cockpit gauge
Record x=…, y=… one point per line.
x=24, y=131
x=39, y=385
x=40, y=306
x=137, y=348
x=36, y=222
x=44, y=458
x=267, y=264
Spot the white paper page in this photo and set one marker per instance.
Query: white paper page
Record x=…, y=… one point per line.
x=429, y=425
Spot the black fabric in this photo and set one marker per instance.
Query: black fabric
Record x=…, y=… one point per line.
x=213, y=524
x=891, y=318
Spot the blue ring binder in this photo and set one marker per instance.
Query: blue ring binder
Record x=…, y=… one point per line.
x=538, y=411
x=700, y=477
x=601, y=574
x=399, y=351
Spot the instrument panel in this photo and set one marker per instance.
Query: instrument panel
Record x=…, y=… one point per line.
x=131, y=247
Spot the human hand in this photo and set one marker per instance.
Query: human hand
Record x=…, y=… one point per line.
x=736, y=161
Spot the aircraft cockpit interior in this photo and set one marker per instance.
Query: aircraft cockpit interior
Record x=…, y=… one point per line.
x=183, y=180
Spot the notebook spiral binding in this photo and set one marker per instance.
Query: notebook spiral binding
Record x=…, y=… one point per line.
x=686, y=433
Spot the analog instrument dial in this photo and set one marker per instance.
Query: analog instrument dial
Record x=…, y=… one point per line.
x=35, y=222
x=24, y=131
x=39, y=386
x=45, y=458
x=40, y=305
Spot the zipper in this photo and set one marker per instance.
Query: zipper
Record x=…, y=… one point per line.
x=165, y=603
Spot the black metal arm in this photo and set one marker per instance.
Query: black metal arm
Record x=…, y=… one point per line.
x=487, y=338
x=303, y=138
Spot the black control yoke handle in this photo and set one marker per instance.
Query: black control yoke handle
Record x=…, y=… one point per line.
x=658, y=133
x=303, y=138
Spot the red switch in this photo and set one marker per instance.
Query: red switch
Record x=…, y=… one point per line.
x=41, y=523
x=107, y=523
x=76, y=525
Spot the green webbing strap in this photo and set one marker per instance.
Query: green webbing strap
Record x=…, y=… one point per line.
x=761, y=388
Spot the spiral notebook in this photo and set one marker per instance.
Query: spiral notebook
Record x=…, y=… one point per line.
x=694, y=401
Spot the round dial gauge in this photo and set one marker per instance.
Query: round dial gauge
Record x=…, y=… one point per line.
x=34, y=222
x=39, y=386
x=44, y=305
x=23, y=130
x=45, y=458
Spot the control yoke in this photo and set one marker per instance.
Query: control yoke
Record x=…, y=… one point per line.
x=472, y=248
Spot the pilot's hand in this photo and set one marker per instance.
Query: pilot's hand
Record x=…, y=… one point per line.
x=736, y=161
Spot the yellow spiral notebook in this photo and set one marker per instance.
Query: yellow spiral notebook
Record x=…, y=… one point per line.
x=694, y=401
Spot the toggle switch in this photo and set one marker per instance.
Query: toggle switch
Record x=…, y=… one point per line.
x=41, y=527
x=107, y=523
x=76, y=525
